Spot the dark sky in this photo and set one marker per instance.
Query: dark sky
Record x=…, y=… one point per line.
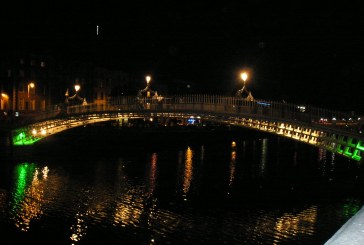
x=301, y=51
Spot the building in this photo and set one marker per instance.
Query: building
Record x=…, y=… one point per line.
x=30, y=84
x=24, y=84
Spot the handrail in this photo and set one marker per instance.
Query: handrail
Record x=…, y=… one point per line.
x=202, y=103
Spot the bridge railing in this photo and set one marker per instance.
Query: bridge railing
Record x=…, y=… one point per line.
x=218, y=104
x=214, y=104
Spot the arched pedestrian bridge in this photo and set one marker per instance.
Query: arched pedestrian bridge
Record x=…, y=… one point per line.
x=335, y=131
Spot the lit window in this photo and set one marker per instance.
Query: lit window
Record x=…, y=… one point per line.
x=42, y=64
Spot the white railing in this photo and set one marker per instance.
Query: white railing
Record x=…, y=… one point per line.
x=215, y=104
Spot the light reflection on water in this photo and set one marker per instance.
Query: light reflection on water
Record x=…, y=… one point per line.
x=123, y=197
x=187, y=177
x=28, y=198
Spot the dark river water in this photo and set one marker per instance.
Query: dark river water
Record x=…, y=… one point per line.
x=97, y=185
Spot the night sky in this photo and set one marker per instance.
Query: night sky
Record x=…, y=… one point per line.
x=301, y=52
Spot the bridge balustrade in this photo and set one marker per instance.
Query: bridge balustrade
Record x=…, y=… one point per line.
x=224, y=105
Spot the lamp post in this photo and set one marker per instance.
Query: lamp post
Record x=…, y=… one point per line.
x=148, y=78
x=30, y=85
x=4, y=101
x=240, y=93
x=244, y=76
x=77, y=88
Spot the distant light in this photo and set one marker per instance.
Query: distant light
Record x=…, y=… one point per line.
x=77, y=87
x=148, y=78
x=233, y=144
x=191, y=121
x=34, y=132
x=31, y=85
x=97, y=30
x=244, y=76
x=151, y=119
x=7, y=96
x=302, y=108
x=43, y=132
x=263, y=103
x=334, y=118
x=359, y=118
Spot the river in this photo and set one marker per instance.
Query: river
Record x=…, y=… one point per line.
x=101, y=185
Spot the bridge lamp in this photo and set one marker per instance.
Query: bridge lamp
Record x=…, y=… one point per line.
x=77, y=87
x=43, y=132
x=244, y=76
x=34, y=132
x=148, y=78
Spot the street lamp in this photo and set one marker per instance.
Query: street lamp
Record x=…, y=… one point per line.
x=30, y=85
x=148, y=78
x=240, y=93
x=244, y=76
x=77, y=87
x=4, y=101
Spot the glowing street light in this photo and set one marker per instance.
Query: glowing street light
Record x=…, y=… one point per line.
x=244, y=76
x=77, y=87
x=4, y=100
x=30, y=85
x=148, y=78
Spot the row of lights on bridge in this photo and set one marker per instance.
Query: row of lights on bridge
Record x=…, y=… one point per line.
x=42, y=132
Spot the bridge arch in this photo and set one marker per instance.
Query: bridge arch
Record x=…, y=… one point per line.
x=334, y=131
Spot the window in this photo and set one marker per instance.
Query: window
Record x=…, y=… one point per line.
x=21, y=104
x=32, y=105
x=42, y=64
x=43, y=105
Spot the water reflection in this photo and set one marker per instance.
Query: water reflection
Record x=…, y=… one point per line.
x=292, y=225
x=188, y=171
x=153, y=173
x=28, y=201
x=79, y=229
x=232, y=166
x=129, y=208
x=125, y=199
x=202, y=157
x=325, y=168
x=263, y=159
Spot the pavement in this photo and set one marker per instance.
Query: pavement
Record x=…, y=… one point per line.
x=351, y=233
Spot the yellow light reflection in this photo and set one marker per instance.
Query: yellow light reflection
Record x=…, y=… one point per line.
x=129, y=211
x=263, y=160
x=188, y=170
x=232, y=167
x=79, y=229
x=153, y=173
x=31, y=206
x=302, y=223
